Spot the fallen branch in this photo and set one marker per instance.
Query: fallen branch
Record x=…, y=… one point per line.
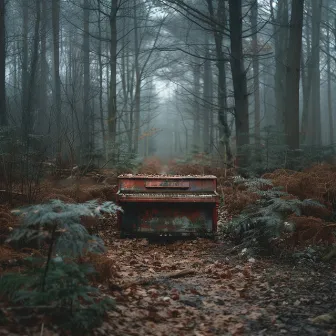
x=149, y=280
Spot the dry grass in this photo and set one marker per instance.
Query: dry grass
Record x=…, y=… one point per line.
x=7, y=222
x=317, y=182
x=151, y=166
x=106, y=268
x=311, y=230
x=236, y=200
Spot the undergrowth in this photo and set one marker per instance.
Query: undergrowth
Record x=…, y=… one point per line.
x=270, y=153
x=265, y=219
x=56, y=283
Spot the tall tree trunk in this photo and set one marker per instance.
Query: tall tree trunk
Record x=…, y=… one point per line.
x=239, y=81
x=87, y=145
x=28, y=118
x=224, y=130
x=137, y=79
x=56, y=67
x=112, y=109
x=43, y=87
x=307, y=72
x=3, y=113
x=24, y=66
x=281, y=42
x=255, y=62
x=292, y=125
x=124, y=85
x=207, y=95
x=196, y=106
x=330, y=107
x=211, y=113
x=100, y=65
x=16, y=71
x=316, y=93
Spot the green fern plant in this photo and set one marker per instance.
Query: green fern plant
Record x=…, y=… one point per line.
x=264, y=220
x=57, y=280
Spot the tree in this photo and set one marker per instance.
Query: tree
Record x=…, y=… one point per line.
x=315, y=86
x=3, y=109
x=255, y=61
x=207, y=97
x=41, y=124
x=293, y=76
x=217, y=24
x=330, y=107
x=280, y=33
x=112, y=107
x=87, y=143
x=29, y=78
x=56, y=68
x=239, y=79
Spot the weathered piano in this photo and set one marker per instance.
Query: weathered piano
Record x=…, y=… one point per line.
x=167, y=205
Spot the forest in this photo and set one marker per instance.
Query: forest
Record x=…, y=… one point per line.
x=167, y=167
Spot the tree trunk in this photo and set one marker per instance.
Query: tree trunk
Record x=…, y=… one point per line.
x=137, y=79
x=100, y=65
x=280, y=43
x=43, y=87
x=307, y=72
x=207, y=94
x=330, y=108
x=292, y=126
x=239, y=81
x=255, y=62
x=28, y=118
x=112, y=110
x=86, y=147
x=3, y=110
x=316, y=93
x=224, y=130
x=196, y=107
x=24, y=67
x=57, y=80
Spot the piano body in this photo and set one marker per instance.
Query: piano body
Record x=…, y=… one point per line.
x=167, y=205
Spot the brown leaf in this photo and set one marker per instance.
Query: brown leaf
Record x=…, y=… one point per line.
x=236, y=329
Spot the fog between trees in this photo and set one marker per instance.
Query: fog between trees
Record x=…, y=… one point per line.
x=104, y=79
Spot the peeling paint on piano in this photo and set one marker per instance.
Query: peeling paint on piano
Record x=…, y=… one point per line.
x=167, y=204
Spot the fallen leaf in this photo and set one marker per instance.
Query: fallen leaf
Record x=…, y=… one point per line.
x=325, y=318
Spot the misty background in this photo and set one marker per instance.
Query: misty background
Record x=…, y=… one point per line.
x=100, y=80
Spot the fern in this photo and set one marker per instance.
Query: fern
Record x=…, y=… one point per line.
x=264, y=220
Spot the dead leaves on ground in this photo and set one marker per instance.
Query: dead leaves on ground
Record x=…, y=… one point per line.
x=177, y=289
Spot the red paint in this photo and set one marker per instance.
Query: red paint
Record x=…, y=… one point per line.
x=141, y=183
x=167, y=184
x=215, y=217
x=128, y=184
x=161, y=199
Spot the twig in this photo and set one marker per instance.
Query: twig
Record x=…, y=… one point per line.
x=42, y=329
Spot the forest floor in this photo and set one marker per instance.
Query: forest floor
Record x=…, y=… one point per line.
x=199, y=288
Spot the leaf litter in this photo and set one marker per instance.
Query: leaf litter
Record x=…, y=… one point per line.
x=193, y=288
x=197, y=288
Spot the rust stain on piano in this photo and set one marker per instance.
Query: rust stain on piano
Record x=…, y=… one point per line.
x=167, y=204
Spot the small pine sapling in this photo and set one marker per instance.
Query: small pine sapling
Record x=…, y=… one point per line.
x=57, y=280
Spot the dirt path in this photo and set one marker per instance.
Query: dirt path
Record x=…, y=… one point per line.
x=226, y=295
